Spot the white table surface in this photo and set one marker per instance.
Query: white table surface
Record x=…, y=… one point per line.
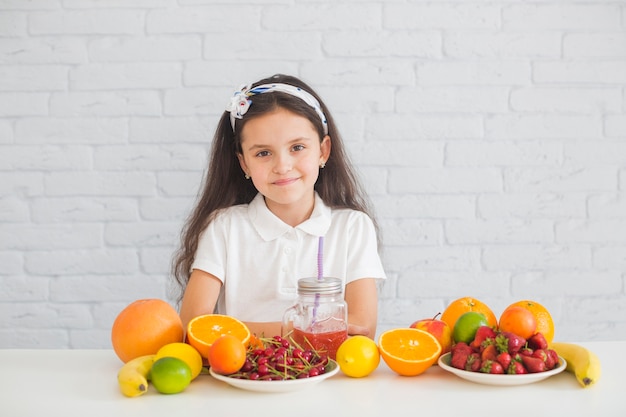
x=83, y=383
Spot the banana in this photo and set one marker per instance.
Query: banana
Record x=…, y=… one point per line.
x=582, y=362
x=133, y=376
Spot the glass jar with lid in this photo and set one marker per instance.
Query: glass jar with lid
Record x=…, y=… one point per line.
x=319, y=319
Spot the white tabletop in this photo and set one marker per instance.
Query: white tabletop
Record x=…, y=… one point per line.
x=83, y=383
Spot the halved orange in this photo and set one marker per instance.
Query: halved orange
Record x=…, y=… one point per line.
x=203, y=330
x=409, y=351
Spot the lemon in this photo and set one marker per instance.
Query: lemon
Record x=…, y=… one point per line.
x=186, y=353
x=466, y=326
x=358, y=356
x=170, y=375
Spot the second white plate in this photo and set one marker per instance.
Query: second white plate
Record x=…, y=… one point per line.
x=503, y=379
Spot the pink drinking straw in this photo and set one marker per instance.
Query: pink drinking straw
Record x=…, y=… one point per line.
x=320, y=275
x=320, y=258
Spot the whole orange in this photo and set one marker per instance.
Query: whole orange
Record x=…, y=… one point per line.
x=545, y=324
x=518, y=320
x=227, y=355
x=143, y=327
x=462, y=305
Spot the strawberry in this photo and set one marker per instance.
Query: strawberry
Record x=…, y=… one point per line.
x=526, y=351
x=504, y=359
x=541, y=354
x=516, y=368
x=473, y=362
x=483, y=333
x=491, y=367
x=533, y=365
x=509, y=342
x=537, y=341
x=489, y=353
x=544, y=356
x=459, y=354
x=555, y=357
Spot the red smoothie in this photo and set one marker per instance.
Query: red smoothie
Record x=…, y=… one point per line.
x=327, y=343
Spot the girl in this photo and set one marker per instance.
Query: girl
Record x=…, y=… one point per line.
x=278, y=179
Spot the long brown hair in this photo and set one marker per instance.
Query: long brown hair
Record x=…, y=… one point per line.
x=225, y=185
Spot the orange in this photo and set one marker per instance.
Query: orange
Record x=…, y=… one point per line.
x=203, y=330
x=545, y=324
x=408, y=352
x=519, y=321
x=143, y=327
x=227, y=354
x=462, y=305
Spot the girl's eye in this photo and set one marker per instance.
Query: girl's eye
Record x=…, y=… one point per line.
x=298, y=147
x=263, y=153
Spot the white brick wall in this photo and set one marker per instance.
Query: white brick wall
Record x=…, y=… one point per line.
x=491, y=136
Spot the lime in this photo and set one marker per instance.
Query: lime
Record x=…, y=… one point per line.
x=184, y=352
x=466, y=326
x=170, y=375
x=358, y=356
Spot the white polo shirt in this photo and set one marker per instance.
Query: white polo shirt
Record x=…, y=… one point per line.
x=259, y=258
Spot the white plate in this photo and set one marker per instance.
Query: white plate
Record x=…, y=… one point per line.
x=502, y=379
x=278, y=386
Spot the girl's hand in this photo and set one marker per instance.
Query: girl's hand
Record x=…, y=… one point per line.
x=355, y=329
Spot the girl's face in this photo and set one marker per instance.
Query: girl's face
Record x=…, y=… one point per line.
x=282, y=153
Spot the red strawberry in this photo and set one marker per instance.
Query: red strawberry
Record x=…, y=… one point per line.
x=483, y=333
x=491, y=367
x=555, y=357
x=537, y=341
x=461, y=346
x=504, y=359
x=458, y=360
x=533, y=365
x=473, y=362
x=459, y=354
x=516, y=368
x=526, y=351
x=489, y=353
x=541, y=354
x=509, y=342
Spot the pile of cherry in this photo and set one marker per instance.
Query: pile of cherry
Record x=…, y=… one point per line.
x=495, y=352
x=280, y=359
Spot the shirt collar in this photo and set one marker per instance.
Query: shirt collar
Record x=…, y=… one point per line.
x=271, y=227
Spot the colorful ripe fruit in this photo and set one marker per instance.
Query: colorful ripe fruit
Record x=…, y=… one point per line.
x=143, y=327
x=462, y=305
x=439, y=329
x=467, y=325
x=545, y=324
x=227, y=354
x=170, y=375
x=358, y=356
x=203, y=330
x=408, y=352
x=519, y=321
x=185, y=353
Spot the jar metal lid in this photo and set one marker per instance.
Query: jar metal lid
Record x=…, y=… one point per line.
x=325, y=285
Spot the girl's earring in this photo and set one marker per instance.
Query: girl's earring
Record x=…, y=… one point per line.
x=247, y=176
x=322, y=165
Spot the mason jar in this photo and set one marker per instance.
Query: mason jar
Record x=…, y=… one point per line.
x=319, y=319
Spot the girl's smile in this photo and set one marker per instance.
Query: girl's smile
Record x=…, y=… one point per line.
x=282, y=153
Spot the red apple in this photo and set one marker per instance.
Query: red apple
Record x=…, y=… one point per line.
x=437, y=328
